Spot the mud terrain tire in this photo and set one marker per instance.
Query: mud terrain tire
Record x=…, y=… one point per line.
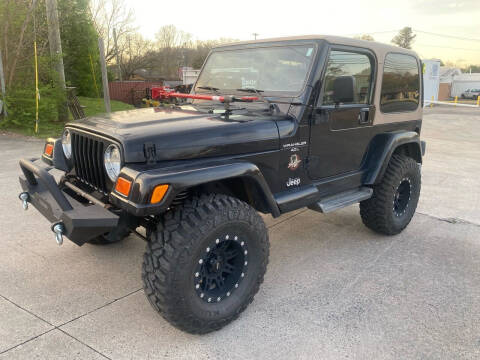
x=205, y=262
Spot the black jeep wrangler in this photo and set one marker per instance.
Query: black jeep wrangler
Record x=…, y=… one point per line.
x=275, y=125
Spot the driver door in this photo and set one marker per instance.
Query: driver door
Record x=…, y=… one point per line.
x=341, y=124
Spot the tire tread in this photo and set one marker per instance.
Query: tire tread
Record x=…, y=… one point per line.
x=174, y=236
x=375, y=211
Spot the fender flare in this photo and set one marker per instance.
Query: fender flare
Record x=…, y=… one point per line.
x=381, y=149
x=181, y=178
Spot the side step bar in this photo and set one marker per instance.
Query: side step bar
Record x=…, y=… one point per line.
x=342, y=199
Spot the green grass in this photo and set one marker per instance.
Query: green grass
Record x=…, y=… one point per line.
x=93, y=106
x=96, y=106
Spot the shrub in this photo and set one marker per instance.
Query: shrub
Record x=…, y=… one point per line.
x=21, y=106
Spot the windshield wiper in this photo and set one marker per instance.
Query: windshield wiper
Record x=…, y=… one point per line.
x=257, y=92
x=211, y=88
x=251, y=90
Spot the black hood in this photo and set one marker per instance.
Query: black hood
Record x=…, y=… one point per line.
x=184, y=134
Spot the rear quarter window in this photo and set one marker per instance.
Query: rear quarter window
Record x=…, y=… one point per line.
x=400, y=84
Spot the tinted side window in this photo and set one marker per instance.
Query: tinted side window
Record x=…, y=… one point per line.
x=356, y=65
x=400, y=85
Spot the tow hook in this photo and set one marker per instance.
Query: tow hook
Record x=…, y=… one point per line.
x=59, y=230
x=24, y=197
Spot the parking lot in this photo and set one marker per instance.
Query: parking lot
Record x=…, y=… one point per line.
x=333, y=289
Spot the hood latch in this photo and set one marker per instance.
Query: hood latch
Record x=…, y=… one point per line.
x=150, y=152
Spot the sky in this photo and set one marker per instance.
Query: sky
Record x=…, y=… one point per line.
x=212, y=19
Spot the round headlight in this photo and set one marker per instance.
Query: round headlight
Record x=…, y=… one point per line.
x=113, y=162
x=67, y=144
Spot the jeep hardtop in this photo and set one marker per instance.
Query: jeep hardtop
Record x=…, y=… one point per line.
x=270, y=126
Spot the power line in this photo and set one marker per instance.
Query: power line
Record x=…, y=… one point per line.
x=418, y=31
x=447, y=47
x=443, y=35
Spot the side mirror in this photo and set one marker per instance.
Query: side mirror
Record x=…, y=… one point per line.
x=344, y=89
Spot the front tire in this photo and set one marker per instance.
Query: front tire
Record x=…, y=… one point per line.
x=395, y=199
x=205, y=262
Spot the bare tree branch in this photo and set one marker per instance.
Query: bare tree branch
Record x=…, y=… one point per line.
x=108, y=15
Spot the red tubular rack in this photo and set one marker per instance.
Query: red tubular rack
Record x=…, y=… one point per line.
x=159, y=93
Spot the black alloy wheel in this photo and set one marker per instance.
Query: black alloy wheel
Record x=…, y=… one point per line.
x=402, y=197
x=221, y=269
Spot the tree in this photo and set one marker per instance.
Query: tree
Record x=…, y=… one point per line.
x=79, y=43
x=170, y=37
x=20, y=24
x=17, y=35
x=16, y=20
x=173, y=50
x=471, y=68
x=136, y=55
x=108, y=15
x=404, y=38
x=366, y=37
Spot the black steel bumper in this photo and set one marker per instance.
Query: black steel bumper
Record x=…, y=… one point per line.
x=81, y=222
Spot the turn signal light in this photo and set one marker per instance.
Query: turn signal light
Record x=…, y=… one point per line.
x=123, y=186
x=158, y=193
x=48, y=149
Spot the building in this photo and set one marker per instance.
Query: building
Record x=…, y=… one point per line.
x=453, y=82
x=447, y=74
x=464, y=82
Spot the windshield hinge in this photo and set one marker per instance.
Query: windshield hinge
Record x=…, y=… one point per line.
x=150, y=152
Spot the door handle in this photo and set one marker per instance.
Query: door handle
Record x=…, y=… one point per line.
x=363, y=116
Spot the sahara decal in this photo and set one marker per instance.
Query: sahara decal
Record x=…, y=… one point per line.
x=294, y=162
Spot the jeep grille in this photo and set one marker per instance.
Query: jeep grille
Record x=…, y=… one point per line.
x=88, y=161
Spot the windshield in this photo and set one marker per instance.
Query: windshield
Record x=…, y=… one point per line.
x=281, y=70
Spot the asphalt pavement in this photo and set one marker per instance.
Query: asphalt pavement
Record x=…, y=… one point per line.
x=333, y=290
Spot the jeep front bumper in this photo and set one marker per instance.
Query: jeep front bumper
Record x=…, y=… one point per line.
x=80, y=222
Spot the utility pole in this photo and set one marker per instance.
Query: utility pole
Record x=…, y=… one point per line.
x=119, y=68
x=103, y=66
x=255, y=35
x=2, y=86
x=56, y=49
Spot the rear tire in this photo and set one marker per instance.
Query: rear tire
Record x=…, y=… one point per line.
x=395, y=199
x=197, y=271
